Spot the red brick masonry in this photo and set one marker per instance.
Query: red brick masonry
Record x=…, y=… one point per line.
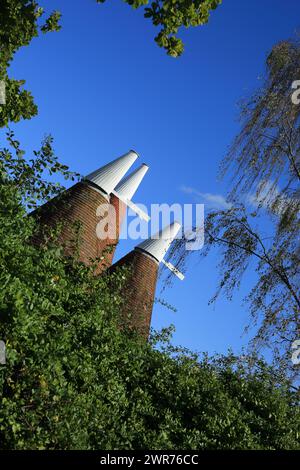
x=80, y=203
x=139, y=291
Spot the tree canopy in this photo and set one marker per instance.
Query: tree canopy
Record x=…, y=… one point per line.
x=261, y=228
x=171, y=15
x=20, y=22
x=23, y=20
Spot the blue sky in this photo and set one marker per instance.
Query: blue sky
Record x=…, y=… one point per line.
x=103, y=87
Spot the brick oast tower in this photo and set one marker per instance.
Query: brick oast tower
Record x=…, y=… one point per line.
x=139, y=291
x=82, y=202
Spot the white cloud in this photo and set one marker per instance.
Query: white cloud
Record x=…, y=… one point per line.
x=269, y=197
x=212, y=201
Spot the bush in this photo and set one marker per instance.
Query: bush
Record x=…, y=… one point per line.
x=74, y=380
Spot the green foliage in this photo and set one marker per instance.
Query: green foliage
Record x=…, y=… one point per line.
x=262, y=227
x=29, y=175
x=20, y=22
x=74, y=380
x=19, y=103
x=264, y=161
x=171, y=15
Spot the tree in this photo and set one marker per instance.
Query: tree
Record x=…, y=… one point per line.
x=262, y=226
x=22, y=20
x=171, y=15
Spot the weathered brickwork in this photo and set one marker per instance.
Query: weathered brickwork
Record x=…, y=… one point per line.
x=81, y=204
x=139, y=291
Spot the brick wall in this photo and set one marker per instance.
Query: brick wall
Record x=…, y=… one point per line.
x=81, y=203
x=139, y=291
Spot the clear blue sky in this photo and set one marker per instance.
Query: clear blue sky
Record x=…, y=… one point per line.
x=103, y=87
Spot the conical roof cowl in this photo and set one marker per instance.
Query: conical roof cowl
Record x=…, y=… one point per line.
x=158, y=245
x=108, y=176
x=129, y=185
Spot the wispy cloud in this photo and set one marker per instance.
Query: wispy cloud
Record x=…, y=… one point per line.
x=269, y=197
x=264, y=196
x=212, y=201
